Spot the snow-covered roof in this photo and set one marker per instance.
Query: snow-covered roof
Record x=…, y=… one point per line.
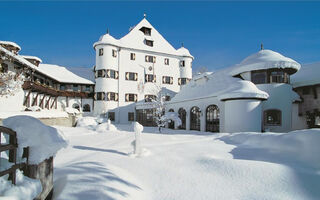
x=31, y=58
x=184, y=52
x=10, y=44
x=135, y=39
x=221, y=85
x=309, y=74
x=61, y=74
x=83, y=72
x=18, y=58
x=264, y=59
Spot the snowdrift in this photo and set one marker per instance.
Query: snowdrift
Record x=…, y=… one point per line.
x=300, y=146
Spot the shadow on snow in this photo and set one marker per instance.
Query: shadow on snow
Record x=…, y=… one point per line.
x=98, y=149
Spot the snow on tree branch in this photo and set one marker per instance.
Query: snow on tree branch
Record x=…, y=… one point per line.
x=10, y=83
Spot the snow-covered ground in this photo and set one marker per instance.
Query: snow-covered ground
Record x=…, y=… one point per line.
x=187, y=165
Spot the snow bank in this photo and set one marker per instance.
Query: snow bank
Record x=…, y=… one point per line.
x=43, y=141
x=40, y=114
x=87, y=121
x=25, y=188
x=302, y=145
x=107, y=126
x=33, y=108
x=71, y=110
x=172, y=116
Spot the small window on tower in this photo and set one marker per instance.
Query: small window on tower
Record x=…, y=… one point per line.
x=132, y=56
x=100, y=52
x=182, y=63
x=166, y=61
x=114, y=53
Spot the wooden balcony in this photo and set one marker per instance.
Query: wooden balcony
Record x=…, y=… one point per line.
x=44, y=89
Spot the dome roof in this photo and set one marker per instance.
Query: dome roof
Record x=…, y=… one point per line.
x=184, y=52
x=107, y=39
x=265, y=59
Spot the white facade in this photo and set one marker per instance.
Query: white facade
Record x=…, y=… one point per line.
x=116, y=58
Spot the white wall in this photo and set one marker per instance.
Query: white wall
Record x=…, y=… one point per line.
x=298, y=122
x=12, y=103
x=242, y=116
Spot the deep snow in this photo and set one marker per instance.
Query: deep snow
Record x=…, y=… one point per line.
x=187, y=165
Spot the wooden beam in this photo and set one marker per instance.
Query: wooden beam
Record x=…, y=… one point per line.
x=35, y=100
x=41, y=102
x=27, y=98
x=47, y=104
x=55, y=99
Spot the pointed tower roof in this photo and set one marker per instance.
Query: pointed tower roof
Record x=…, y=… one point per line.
x=136, y=39
x=107, y=39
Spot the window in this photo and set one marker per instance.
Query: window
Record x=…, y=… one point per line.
x=132, y=56
x=259, y=77
x=182, y=63
x=75, y=88
x=167, y=98
x=86, y=108
x=146, y=31
x=272, y=117
x=183, y=81
x=88, y=88
x=112, y=96
x=62, y=87
x=114, y=53
x=130, y=116
x=112, y=74
x=131, y=97
x=279, y=77
x=111, y=116
x=100, y=73
x=131, y=76
x=149, y=98
x=99, y=96
x=149, y=43
x=166, y=61
x=150, y=78
x=3, y=68
x=151, y=59
x=167, y=80
x=100, y=52
x=76, y=106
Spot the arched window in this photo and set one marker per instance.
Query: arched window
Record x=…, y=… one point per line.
x=195, y=118
x=272, y=117
x=76, y=106
x=182, y=115
x=86, y=108
x=212, y=118
x=171, y=123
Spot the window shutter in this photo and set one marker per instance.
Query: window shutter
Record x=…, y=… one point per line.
x=163, y=79
x=179, y=81
x=96, y=74
x=135, y=76
x=146, y=58
x=108, y=73
x=135, y=97
x=95, y=96
x=116, y=75
x=154, y=59
x=103, y=95
x=171, y=80
x=127, y=97
x=127, y=75
x=146, y=78
x=116, y=97
x=154, y=78
x=108, y=96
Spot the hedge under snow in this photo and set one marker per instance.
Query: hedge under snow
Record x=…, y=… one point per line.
x=43, y=141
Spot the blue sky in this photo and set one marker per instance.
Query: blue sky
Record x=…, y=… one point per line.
x=218, y=34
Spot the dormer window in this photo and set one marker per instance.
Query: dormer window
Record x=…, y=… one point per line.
x=149, y=43
x=146, y=31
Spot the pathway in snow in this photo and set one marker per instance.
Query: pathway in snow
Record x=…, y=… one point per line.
x=176, y=166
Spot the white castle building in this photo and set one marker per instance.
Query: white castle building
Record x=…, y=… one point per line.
x=130, y=71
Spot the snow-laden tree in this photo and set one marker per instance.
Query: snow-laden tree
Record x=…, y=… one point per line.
x=10, y=83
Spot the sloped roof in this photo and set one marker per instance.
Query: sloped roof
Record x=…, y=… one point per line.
x=83, y=72
x=309, y=74
x=264, y=59
x=19, y=58
x=31, y=57
x=61, y=74
x=11, y=44
x=135, y=39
